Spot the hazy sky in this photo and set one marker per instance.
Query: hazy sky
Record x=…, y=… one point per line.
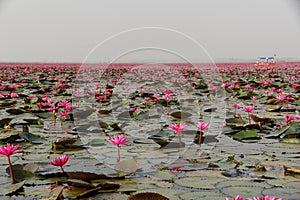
x=67, y=30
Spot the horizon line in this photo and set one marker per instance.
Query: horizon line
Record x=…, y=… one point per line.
x=163, y=62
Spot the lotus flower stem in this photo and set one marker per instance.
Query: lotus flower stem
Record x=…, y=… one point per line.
x=119, y=154
x=13, y=180
x=179, y=139
x=200, y=137
x=249, y=118
x=62, y=169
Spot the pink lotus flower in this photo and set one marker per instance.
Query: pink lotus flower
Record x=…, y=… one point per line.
x=4, y=94
x=231, y=87
x=64, y=103
x=133, y=109
x=202, y=126
x=235, y=105
x=272, y=89
x=248, y=108
x=253, y=98
x=265, y=198
x=178, y=127
x=297, y=117
x=166, y=96
x=60, y=161
x=238, y=197
x=8, y=150
x=280, y=91
x=147, y=98
x=50, y=101
x=249, y=87
x=100, y=98
x=13, y=87
x=156, y=95
x=167, y=92
x=39, y=104
x=288, y=118
x=63, y=114
x=280, y=98
x=289, y=98
x=68, y=108
x=44, y=98
x=13, y=94
x=118, y=140
x=94, y=92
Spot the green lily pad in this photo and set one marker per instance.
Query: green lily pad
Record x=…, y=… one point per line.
x=15, y=111
x=29, y=137
x=284, y=193
x=245, y=134
x=293, y=130
x=7, y=103
x=11, y=188
x=277, y=133
x=127, y=166
x=24, y=171
x=242, y=191
x=198, y=182
x=98, y=142
x=79, y=183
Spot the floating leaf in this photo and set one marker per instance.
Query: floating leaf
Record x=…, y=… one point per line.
x=11, y=188
x=127, y=166
x=106, y=187
x=284, y=193
x=277, y=133
x=29, y=137
x=293, y=130
x=147, y=196
x=180, y=115
x=80, y=183
x=245, y=134
x=97, y=142
x=15, y=111
x=7, y=103
x=198, y=182
x=242, y=191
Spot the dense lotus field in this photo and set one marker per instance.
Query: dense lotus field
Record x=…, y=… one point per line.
x=149, y=131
